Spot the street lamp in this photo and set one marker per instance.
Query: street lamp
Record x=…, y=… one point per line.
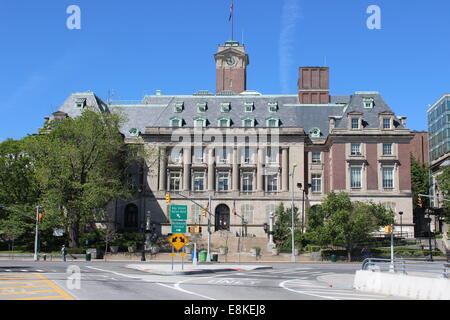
x=401, y=224
x=428, y=219
x=299, y=185
x=292, y=213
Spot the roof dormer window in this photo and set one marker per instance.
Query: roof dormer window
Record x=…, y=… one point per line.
x=355, y=123
x=273, y=122
x=387, y=123
x=224, y=122
x=248, y=122
x=179, y=106
x=273, y=106
x=368, y=103
x=176, y=122
x=225, y=107
x=199, y=122
x=249, y=106
x=201, y=107
x=80, y=103
x=315, y=133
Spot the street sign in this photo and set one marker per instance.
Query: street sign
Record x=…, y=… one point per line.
x=179, y=226
x=178, y=212
x=178, y=241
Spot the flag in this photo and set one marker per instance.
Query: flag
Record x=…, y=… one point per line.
x=231, y=11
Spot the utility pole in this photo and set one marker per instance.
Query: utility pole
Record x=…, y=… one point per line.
x=208, y=256
x=36, y=236
x=292, y=214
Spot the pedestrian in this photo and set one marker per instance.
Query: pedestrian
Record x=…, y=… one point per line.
x=366, y=253
x=63, y=253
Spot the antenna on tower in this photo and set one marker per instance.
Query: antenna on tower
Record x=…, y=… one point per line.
x=111, y=93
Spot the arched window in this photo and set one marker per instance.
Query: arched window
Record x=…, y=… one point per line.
x=131, y=216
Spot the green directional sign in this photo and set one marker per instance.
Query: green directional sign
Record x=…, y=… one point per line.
x=178, y=212
x=179, y=226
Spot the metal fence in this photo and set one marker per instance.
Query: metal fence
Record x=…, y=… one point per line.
x=404, y=266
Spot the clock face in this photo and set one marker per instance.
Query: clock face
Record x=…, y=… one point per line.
x=230, y=61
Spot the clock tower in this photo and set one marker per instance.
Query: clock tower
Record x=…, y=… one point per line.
x=231, y=67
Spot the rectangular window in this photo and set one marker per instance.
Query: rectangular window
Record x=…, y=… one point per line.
x=272, y=183
x=248, y=155
x=272, y=155
x=388, y=178
x=223, y=155
x=223, y=123
x=387, y=149
x=316, y=157
x=316, y=183
x=355, y=123
x=272, y=123
x=223, y=181
x=199, y=123
x=248, y=123
x=247, y=213
x=198, y=155
x=356, y=149
x=175, y=181
x=247, y=182
x=199, y=181
x=386, y=123
x=355, y=178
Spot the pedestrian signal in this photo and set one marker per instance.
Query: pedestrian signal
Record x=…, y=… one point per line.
x=419, y=202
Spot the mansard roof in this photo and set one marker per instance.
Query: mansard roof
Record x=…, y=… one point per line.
x=158, y=110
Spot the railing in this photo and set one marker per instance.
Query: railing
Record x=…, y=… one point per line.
x=407, y=266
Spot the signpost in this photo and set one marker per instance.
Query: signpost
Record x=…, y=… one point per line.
x=178, y=241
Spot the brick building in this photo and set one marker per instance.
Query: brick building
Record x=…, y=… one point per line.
x=249, y=151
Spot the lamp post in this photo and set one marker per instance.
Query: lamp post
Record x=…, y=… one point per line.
x=428, y=219
x=292, y=213
x=401, y=224
x=299, y=185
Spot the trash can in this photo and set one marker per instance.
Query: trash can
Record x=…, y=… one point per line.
x=203, y=255
x=88, y=256
x=214, y=257
x=196, y=255
x=333, y=258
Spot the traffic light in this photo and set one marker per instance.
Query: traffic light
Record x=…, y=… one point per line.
x=167, y=197
x=387, y=230
x=205, y=212
x=195, y=229
x=40, y=214
x=419, y=202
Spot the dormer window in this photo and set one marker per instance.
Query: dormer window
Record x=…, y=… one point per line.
x=80, y=103
x=199, y=122
x=225, y=107
x=273, y=106
x=248, y=122
x=223, y=122
x=315, y=133
x=273, y=122
x=134, y=132
x=179, y=106
x=249, y=106
x=201, y=107
x=176, y=122
x=368, y=103
x=387, y=123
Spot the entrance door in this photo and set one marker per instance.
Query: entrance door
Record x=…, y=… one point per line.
x=222, y=217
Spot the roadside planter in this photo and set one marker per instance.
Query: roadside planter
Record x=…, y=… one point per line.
x=275, y=251
x=223, y=250
x=114, y=249
x=132, y=249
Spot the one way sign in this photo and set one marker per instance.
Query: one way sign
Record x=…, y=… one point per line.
x=178, y=241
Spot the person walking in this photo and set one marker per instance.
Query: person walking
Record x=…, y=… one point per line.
x=63, y=252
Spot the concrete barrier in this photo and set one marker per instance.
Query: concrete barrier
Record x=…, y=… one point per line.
x=402, y=285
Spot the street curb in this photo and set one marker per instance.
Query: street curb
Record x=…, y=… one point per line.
x=198, y=271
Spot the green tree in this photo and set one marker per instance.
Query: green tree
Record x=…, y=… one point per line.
x=443, y=180
x=420, y=181
x=80, y=167
x=283, y=234
x=340, y=222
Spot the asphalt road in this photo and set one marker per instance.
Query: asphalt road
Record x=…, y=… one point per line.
x=113, y=281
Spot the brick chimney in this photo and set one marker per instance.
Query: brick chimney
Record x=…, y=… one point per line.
x=313, y=85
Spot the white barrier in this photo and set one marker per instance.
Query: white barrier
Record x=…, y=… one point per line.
x=408, y=286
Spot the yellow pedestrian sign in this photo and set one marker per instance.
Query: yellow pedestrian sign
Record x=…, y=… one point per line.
x=178, y=241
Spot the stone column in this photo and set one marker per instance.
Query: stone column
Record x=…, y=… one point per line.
x=284, y=169
x=235, y=170
x=163, y=169
x=187, y=159
x=260, y=169
x=211, y=169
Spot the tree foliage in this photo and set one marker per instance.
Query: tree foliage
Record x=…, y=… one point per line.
x=340, y=222
x=420, y=181
x=443, y=180
x=80, y=166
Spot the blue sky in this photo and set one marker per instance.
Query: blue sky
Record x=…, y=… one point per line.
x=136, y=47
